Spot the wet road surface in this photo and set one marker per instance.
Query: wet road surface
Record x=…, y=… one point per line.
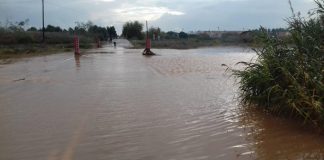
x=113, y=103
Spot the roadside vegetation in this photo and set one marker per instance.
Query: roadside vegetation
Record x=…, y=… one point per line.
x=133, y=31
x=287, y=77
x=176, y=43
x=18, y=40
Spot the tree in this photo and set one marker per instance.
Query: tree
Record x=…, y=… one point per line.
x=133, y=30
x=17, y=26
x=171, y=35
x=98, y=32
x=32, y=29
x=71, y=31
x=79, y=30
x=51, y=28
x=112, y=32
x=183, y=35
x=82, y=28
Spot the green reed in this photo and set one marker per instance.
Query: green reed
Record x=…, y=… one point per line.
x=287, y=78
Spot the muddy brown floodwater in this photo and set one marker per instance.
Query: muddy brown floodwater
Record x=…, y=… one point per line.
x=115, y=104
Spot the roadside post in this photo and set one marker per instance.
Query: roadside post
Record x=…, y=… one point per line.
x=148, y=44
x=76, y=45
x=147, y=51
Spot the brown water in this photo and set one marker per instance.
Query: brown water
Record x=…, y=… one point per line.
x=115, y=104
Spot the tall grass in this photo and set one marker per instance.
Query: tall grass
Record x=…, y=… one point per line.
x=288, y=79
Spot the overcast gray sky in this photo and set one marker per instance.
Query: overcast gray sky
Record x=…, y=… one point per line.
x=187, y=15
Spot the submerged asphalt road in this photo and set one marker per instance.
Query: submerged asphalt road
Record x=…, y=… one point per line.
x=113, y=103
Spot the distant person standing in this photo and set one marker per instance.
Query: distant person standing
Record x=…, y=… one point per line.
x=115, y=44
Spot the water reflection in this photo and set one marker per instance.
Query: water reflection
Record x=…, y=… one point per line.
x=279, y=138
x=77, y=61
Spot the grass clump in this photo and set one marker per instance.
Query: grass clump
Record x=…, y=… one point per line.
x=288, y=78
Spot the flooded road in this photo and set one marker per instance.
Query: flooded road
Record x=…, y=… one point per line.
x=115, y=104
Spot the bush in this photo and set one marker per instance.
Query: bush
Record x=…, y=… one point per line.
x=288, y=79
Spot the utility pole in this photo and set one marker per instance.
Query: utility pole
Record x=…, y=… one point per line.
x=147, y=32
x=43, y=21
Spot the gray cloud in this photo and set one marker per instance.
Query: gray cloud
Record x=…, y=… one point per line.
x=169, y=15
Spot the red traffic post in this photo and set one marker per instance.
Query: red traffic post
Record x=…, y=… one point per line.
x=76, y=45
x=147, y=51
x=148, y=43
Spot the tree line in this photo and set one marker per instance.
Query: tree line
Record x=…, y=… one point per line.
x=18, y=32
x=134, y=30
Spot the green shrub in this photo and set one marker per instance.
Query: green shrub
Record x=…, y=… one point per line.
x=288, y=79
